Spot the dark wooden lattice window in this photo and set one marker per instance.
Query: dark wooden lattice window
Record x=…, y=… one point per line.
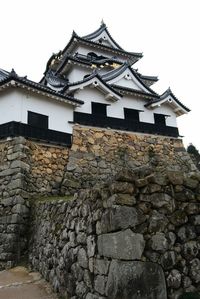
x=37, y=120
x=131, y=114
x=160, y=119
x=99, y=109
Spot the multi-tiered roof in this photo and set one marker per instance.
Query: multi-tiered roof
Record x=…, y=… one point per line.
x=98, y=56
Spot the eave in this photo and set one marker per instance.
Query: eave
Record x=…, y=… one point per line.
x=99, y=31
x=148, y=80
x=169, y=98
x=75, y=40
x=31, y=86
x=130, y=91
x=96, y=81
x=114, y=74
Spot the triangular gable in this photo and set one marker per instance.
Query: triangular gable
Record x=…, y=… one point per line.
x=94, y=81
x=125, y=77
x=168, y=98
x=102, y=36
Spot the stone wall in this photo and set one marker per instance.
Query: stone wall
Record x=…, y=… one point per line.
x=122, y=239
x=14, y=209
x=27, y=169
x=47, y=164
x=97, y=154
x=141, y=210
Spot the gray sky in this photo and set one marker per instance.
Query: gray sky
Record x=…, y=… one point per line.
x=166, y=31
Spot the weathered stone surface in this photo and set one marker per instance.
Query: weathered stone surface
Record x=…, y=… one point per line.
x=195, y=270
x=168, y=260
x=179, y=217
x=196, y=220
x=125, y=199
x=130, y=280
x=159, y=200
x=175, y=177
x=101, y=266
x=82, y=258
x=20, y=164
x=159, y=242
x=124, y=245
x=186, y=233
x=190, y=250
x=174, y=279
x=121, y=217
x=91, y=246
x=99, y=284
x=191, y=183
x=157, y=222
x=126, y=175
x=122, y=187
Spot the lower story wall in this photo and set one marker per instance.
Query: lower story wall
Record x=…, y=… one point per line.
x=134, y=237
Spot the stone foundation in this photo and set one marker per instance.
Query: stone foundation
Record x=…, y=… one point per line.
x=130, y=200
x=123, y=239
x=97, y=154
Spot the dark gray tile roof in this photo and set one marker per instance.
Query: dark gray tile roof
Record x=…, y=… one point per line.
x=123, y=89
x=3, y=74
x=37, y=86
x=95, y=75
x=167, y=93
x=97, y=32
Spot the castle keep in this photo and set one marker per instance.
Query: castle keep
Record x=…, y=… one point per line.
x=97, y=191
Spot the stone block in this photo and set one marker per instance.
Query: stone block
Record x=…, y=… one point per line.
x=179, y=218
x=101, y=266
x=126, y=175
x=124, y=245
x=82, y=258
x=99, y=284
x=195, y=270
x=191, y=183
x=91, y=246
x=157, y=222
x=159, y=200
x=122, y=187
x=20, y=164
x=121, y=217
x=168, y=260
x=9, y=171
x=158, y=242
x=134, y=279
x=20, y=209
x=175, y=177
x=186, y=233
x=174, y=279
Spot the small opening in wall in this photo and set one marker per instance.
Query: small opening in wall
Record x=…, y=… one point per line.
x=38, y=120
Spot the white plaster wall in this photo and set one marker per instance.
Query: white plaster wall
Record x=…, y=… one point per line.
x=128, y=83
x=77, y=73
x=10, y=106
x=106, y=40
x=116, y=109
x=126, y=79
x=15, y=105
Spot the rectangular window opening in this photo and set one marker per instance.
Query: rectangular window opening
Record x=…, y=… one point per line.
x=38, y=120
x=132, y=114
x=160, y=119
x=99, y=109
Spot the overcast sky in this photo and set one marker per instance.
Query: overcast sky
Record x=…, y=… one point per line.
x=166, y=31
